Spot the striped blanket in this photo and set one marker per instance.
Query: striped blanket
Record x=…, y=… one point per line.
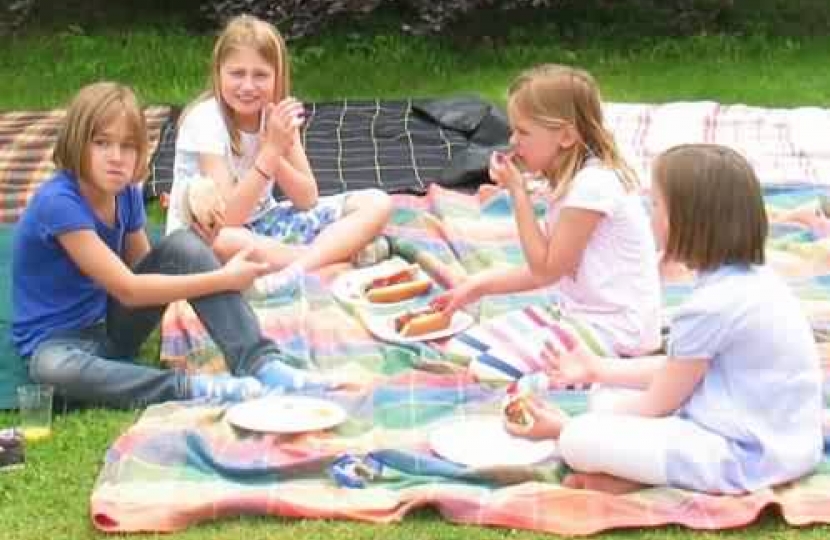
x=183, y=463
x=27, y=140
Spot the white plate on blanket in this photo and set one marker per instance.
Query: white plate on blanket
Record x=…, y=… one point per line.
x=383, y=327
x=349, y=287
x=481, y=441
x=286, y=414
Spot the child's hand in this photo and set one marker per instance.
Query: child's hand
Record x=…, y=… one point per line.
x=504, y=172
x=205, y=208
x=454, y=299
x=570, y=361
x=281, y=125
x=547, y=421
x=242, y=270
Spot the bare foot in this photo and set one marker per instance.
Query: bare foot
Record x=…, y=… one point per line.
x=601, y=482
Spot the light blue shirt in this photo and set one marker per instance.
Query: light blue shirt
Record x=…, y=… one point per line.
x=762, y=391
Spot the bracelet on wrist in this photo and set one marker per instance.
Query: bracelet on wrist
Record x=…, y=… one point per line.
x=261, y=172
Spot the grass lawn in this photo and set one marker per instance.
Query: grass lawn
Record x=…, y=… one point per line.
x=49, y=497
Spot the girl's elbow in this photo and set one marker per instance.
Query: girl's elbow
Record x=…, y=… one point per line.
x=543, y=275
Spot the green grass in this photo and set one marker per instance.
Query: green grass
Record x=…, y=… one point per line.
x=169, y=66
x=49, y=497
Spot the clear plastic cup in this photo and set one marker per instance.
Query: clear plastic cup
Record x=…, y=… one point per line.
x=35, y=405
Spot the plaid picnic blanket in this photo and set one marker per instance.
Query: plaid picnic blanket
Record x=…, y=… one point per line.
x=785, y=145
x=183, y=463
x=27, y=140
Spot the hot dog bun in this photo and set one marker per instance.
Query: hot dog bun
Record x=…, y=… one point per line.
x=417, y=323
x=202, y=198
x=400, y=285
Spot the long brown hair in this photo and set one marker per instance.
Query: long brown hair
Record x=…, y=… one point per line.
x=552, y=95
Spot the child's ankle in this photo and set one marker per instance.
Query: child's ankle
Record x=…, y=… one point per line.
x=277, y=375
x=224, y=388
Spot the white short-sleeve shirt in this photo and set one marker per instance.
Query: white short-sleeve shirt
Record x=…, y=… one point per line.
x=203, y=131
x=616, y=286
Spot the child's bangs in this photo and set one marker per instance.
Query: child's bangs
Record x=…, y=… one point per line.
x=119, y=111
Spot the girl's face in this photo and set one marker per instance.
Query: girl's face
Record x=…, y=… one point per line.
x=659, y=217
x=111, y=157
x=246, y=84
x=539, y=146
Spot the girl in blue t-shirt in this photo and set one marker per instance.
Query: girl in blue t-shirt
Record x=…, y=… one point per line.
x=736, y=405
x=87, y=287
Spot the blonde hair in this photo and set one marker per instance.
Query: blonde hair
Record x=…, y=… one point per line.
x=715, y=206
x=94, y=108
x=247, y=31
x=552, y=95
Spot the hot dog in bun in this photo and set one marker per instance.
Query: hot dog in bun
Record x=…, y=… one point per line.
x=421, y=321
x=400, y=285
x=515, y=410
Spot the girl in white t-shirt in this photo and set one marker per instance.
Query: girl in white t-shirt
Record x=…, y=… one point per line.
x=597, y=248
x=736, y=405
x=244, y=134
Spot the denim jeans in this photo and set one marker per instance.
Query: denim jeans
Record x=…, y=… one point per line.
x=96, y=365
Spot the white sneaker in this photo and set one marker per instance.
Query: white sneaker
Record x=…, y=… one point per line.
x=286, y=281
x=378, y=250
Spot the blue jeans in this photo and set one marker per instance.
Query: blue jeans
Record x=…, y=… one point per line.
x=96, y=365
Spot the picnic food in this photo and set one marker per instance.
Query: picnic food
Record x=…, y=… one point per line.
x=515, y=410
x=420, y=322
x=399, y=285
x=202, y=199
x=518, y=394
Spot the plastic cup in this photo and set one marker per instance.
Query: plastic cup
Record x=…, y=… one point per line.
x=35, y=405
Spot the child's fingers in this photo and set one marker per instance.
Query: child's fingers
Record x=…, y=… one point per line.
x=517, y=430
x=201, y=231
x=440, y=302
x=550, y=355
x=245, y=253
x=538, y=410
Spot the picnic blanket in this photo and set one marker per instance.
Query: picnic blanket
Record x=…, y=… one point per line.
x=27, y=139
x=183, y=463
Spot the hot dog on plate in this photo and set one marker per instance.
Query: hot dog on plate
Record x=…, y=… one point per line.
x=397, y=286
x=420, y=322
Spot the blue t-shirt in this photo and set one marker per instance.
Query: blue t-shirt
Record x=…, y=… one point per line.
x=49, y=292
x=762, y=391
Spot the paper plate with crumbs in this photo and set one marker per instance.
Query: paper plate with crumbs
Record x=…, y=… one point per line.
x=286, y=414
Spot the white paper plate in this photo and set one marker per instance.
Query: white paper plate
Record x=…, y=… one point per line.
x=383, y=327
x=286, y=414
x=481, y=441
x=349, y=286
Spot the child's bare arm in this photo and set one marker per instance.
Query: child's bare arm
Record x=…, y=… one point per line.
x=241, y=197
x=136, y=246
x=550, y=257
x=505, y=280
x=282, y=155
x=670, y=386
x=97, y=261
x=294, y=177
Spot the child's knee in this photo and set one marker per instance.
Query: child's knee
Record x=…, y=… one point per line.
x=186, y=251
x=52, y=364
x=370, y=200
x=580, y=439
